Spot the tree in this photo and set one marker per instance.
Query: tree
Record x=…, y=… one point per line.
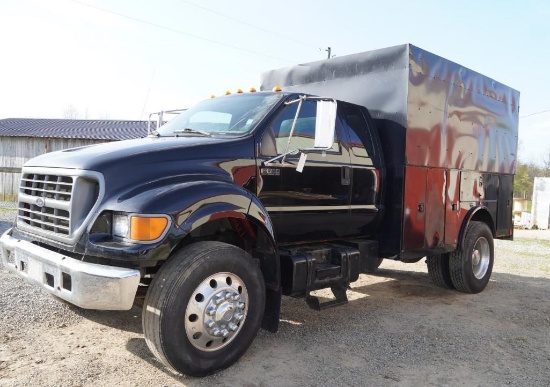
x=523, y=182
x=546, y=164
x=71, y=112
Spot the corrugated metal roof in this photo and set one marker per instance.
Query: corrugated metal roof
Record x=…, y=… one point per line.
x=65, y=128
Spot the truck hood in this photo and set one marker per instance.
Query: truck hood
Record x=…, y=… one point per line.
x=129, y=167
x=145, y=150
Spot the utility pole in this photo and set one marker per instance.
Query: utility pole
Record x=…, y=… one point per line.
x=328, y=50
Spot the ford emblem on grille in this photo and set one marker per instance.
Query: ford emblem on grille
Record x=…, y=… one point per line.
x=40, y=202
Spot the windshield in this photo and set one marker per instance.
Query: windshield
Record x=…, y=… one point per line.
x=227, y=116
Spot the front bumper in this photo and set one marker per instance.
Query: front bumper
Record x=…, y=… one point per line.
x=87, y=285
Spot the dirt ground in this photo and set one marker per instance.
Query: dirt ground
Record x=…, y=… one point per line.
x=397, y=330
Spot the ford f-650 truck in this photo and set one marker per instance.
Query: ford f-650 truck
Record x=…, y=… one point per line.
x=389, y=154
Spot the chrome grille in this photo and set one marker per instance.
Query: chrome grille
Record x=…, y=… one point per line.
x=47, y=186
x=57, y=203
x=45, y=202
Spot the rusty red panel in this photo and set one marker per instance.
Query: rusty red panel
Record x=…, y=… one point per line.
x=435, y=207
x=459, y=119
x=414, y=214
x=454, y=213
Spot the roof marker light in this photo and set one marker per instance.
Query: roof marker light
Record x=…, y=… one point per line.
x=252, y=90
x=239, y=91
x=227, y=92
x=277, y=88
x=212, y=96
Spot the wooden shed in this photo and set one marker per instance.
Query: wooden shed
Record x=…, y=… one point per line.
x=24, y=138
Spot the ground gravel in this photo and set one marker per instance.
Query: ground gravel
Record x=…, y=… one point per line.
x=397, y=330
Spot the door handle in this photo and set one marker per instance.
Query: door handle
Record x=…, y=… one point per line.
x=346, y=173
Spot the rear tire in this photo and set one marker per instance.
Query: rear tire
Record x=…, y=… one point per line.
x=438, y=269
x=472, y=265
x=204, y=308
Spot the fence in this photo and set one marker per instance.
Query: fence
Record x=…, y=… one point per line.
x=15, y=151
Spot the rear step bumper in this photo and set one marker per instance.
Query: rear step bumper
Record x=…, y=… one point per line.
x=87, y=285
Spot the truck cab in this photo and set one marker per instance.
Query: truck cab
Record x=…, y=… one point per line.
x=336, y=194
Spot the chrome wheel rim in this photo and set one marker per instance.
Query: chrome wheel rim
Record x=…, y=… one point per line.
x=481, y=256
x=216, y=311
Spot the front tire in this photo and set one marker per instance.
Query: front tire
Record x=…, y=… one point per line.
x=204, y=308
x=472, y=265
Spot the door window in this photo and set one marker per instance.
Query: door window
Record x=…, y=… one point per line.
x=360, y=139
x=275, y=140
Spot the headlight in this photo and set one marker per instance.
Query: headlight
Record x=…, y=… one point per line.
x=121, y=225
x=138, y=227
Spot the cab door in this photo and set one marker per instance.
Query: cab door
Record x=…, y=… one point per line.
x=313, y=204
x=366, y=194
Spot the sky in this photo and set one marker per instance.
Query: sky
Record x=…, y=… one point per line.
x=123, y=59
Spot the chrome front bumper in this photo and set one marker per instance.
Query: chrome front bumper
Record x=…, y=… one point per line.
x=87, y=285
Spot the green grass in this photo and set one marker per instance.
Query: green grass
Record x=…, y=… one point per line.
x=7, y=210
x=540, y=242
x=529, y=254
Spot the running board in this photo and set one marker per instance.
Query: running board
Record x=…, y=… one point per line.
x=340, y=298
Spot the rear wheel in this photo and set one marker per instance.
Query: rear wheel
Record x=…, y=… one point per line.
x=471, y=267
x=438, y=269
x=204, y=308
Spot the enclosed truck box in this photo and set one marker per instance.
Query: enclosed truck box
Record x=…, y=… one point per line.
x=394, y=153
x=449, y=137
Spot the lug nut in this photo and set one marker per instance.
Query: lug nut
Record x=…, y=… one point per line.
x=227, y=296
x=219, y=300
x=215, y=332
x=210, y=323
x=240, y=305
x=238, y=316
x=233, y=326
x=210, y=310
x=236, y=297
x=225, y=333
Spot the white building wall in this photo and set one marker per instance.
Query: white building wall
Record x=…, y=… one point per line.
x=540, y=210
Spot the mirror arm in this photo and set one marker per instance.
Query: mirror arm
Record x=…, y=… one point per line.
x=302, y=97
x=278, y=157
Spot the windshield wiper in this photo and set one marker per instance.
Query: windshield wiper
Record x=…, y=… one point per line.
x=191, y=130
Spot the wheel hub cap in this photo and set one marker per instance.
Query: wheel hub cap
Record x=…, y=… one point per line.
x=216, y=311
x=481, y=256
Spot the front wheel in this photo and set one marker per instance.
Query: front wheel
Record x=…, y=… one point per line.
x=204, y=308
x=472, y=265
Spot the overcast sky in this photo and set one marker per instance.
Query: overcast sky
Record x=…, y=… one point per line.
x=122, y=59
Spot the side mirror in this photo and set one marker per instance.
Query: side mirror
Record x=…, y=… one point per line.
x=325, y=123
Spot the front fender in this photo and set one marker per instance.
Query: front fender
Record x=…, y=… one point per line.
x=193, y=204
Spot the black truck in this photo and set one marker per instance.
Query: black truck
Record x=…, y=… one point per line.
x=389, y=154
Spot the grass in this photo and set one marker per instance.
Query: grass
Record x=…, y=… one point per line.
x=541, y=242
x=8, y=209
x=529, y=254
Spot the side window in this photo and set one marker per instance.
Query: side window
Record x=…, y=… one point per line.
x=360, y=137
x=275, y=139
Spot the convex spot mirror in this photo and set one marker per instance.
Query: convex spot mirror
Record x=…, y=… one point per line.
x=325, y=123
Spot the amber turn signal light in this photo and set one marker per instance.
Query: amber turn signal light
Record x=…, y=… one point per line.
x=147, y=229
